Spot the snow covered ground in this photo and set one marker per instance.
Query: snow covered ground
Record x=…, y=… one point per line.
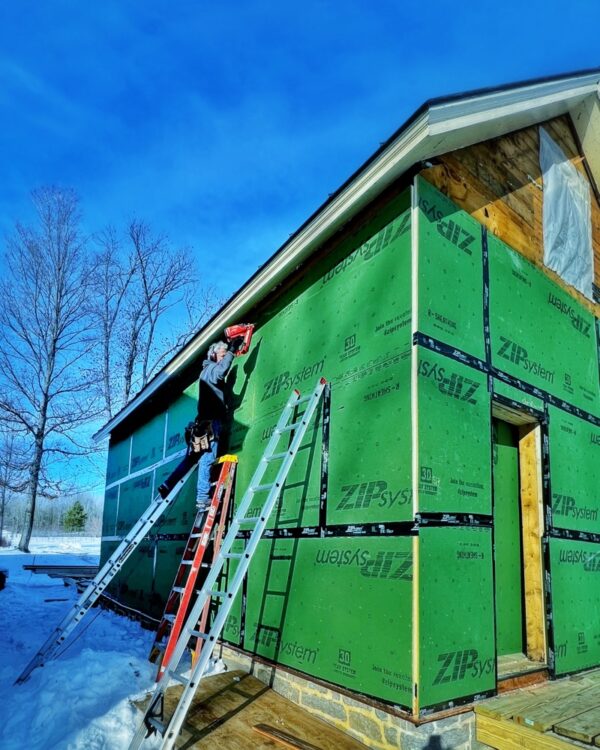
x=82, y=700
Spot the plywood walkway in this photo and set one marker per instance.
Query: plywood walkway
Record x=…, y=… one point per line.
x=228, y=706
x=559, y=715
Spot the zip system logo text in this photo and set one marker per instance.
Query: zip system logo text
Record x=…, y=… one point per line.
x=452, y=384
x=385, y=565
x=518, y=355
x=285, y=381
x=578, y=322
x=376, y=493
x=456, y=665
x=372, y=247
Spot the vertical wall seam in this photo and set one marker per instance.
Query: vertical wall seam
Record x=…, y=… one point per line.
x=490, y=382
x=414, y=270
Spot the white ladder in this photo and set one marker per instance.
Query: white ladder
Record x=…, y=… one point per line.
x=109, y=570
x=152, y=718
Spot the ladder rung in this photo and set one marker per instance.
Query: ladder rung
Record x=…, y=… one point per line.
x=186, y=562
x=178, y=589
x=220, y=594
x=158, y=725
x=169, y=618
x=248, y=519
x=233, y=555
x=303, y=400
x=195, y=536
x=262, y=487
x=179, y=677
x=290, y=427
x=198, y=634
x=278, y=457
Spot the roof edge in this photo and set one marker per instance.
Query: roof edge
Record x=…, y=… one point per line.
x=401, y=151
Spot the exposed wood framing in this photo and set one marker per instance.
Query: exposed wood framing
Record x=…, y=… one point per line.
x=530, y=460
x=499, y=183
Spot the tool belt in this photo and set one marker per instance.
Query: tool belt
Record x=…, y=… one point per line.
x=198, y=436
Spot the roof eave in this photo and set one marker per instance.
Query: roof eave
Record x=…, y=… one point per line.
x=389, y=165
x=439, y=128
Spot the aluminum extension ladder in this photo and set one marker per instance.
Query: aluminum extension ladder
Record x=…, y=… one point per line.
x=108, y=571
x=154, y=713
x=183, y=588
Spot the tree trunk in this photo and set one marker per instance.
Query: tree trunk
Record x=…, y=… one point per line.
x=34, y=478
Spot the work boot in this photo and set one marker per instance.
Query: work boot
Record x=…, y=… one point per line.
x=163, y=490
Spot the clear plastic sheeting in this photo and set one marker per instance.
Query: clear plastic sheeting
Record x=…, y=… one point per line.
x=567, y=223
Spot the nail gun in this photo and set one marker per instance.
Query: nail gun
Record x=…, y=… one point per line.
x=242, y=331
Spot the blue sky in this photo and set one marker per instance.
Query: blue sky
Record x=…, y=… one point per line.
x=225, y=125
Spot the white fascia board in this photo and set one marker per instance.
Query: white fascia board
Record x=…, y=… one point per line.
x=470, y=112
x=586, y=119
x=390, y=164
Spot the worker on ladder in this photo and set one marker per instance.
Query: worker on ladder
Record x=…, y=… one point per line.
x=212, y=413
x=203, y=434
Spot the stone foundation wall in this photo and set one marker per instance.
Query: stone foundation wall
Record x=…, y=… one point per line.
x=377, y=728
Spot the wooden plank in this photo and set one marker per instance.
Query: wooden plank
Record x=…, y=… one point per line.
x=283, y=738
x=511, y=705
x=506, y=706
x=227, y=707
x=506, y=735
x=543, y=716
x=583, y=727
x=532, y=525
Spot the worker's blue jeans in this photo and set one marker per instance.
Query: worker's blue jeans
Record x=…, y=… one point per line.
x=205, y=464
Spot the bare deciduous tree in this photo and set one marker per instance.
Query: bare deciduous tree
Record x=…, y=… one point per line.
x=137, y=282
x=12, y=472
x=44, y=340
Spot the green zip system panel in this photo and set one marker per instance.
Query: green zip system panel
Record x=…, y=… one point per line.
x=365, y=486
x=179, y=414
x=575, y=467
x=232, y=632
x=454, y=437
x=457, y=656
x=118, y=460
x=508, y=556
x=346, y=609
x=539, y=333
x=148, y=443
x=575, y=568
x=450, y=272
x=299, y=502
x=110, y=512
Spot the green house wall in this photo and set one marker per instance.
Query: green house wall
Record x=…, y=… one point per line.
x=384, y=563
